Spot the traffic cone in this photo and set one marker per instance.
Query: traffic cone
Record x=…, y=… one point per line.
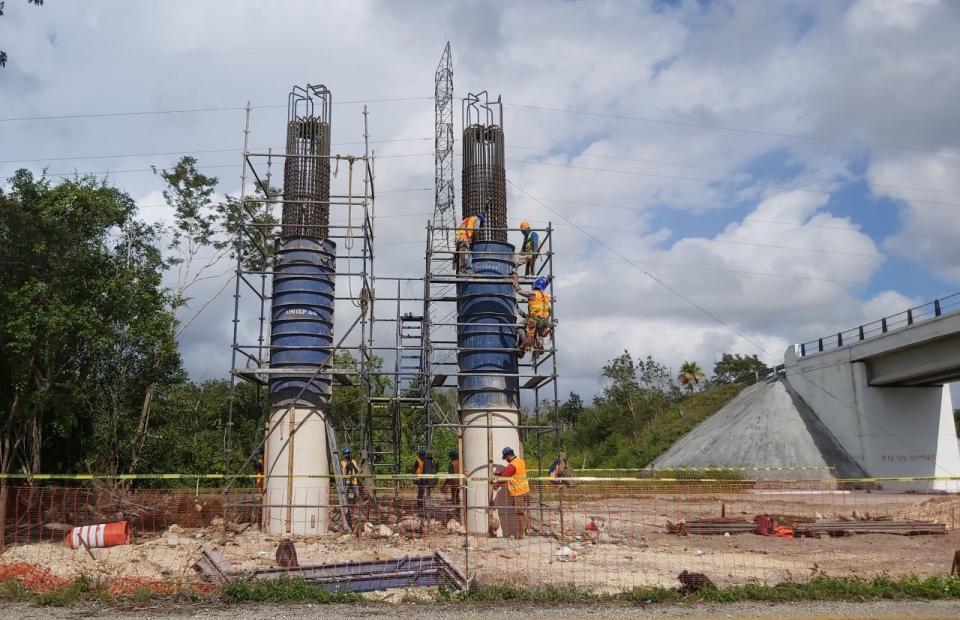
x=96, y=536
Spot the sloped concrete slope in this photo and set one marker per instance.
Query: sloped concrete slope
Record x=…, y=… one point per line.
x=766, y=426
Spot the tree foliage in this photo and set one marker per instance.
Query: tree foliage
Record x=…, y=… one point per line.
x=734, y=367
x=690, y=376
x=84, y=321
x=639, y=413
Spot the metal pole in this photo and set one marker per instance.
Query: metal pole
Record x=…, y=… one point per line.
x=228, y=429
x=554, y=373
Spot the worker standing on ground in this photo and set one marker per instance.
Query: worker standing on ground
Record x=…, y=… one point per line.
x=350, y=467
x=518, y=488
x=529, y=250
x=559, y=469
x=454, y=483
x=464, y=238
x=425, y=469
x=539, y=308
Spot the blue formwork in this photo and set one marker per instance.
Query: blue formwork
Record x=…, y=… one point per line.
x=301, y=320
x=487, y=334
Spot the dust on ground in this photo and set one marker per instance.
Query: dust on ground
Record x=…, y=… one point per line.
x=607, y=544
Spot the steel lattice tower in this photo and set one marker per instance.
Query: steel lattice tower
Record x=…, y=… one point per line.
x=444, y=212
x=441, y=231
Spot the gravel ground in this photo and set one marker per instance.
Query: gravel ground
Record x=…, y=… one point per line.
x=814, y=610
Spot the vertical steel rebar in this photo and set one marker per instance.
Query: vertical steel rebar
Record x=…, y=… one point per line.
x=306, y=169
x=484, y=174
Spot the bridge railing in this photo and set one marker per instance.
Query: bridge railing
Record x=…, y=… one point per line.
x=918, y=314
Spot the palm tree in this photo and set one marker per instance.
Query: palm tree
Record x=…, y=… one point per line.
x=690, y=375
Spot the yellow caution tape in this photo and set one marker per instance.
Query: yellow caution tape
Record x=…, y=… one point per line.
x=656, y=469
x=462, y=477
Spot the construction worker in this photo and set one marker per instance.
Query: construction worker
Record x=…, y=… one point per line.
x=424, y=468
x=261, y=478
x=539, y=308
x=529, y=250
x=518, y=487
x=350, y=467
x=454, y=484
x=559, y=469
x=464, y=238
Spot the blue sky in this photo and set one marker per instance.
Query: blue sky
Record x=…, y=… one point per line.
x=607, y=104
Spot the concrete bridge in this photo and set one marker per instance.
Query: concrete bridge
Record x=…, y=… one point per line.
x=881, y=390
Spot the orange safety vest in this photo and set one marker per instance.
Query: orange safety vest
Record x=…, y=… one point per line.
x=455, y=466
x=467, y=226
x=419, y=466
x=540, y=305
x=517, y=484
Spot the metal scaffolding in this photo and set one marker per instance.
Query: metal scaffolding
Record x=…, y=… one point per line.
x=381, y=384
x=537, y=374
x=401, y=333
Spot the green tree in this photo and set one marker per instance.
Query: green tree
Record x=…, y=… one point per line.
x=3, y=54
x=186, y=434
x=690, y=376
x=82, y=318
x=732, y=368
x=570, y=410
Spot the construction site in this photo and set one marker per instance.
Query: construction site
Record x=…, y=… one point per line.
x=766, y=490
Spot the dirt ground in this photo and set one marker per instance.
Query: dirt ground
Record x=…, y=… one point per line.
x=810, y=610
x=630, y=546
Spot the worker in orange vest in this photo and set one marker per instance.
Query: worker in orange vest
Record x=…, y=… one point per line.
x=425, y=470
x=514, y=476
x=464, y=239
x=539, y=321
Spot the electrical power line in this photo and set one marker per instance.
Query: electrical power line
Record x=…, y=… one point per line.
x=673, y=177
x=788, y=224
x=11, y=119
x=716, y=168
x=200, y=167
x=647, y=273
x=622, y=231
x=193, y=152
x=745, y=130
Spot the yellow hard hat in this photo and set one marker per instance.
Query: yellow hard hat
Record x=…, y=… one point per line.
x=524, y=225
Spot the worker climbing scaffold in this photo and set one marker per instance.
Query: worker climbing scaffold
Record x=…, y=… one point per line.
x=539, y=322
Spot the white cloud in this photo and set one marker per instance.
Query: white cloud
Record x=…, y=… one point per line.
x=930, y=226
x=790, y=269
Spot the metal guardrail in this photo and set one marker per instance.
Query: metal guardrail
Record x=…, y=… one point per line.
x=919, y=314
x=751, y=378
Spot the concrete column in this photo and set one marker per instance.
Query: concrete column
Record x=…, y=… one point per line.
x=482, y=448
x=297, y=487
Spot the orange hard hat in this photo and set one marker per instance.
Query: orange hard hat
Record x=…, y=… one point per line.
x=524, y=225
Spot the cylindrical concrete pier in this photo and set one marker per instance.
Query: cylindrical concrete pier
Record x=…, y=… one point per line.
x=295, y=456
x=488, y=386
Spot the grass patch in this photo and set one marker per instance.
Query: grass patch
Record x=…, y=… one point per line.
x=549, y=594
x=602, y=436
x=13, y=590
x=79, y=589
x=283, y=591
x=298, y=591
x=819, y=588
